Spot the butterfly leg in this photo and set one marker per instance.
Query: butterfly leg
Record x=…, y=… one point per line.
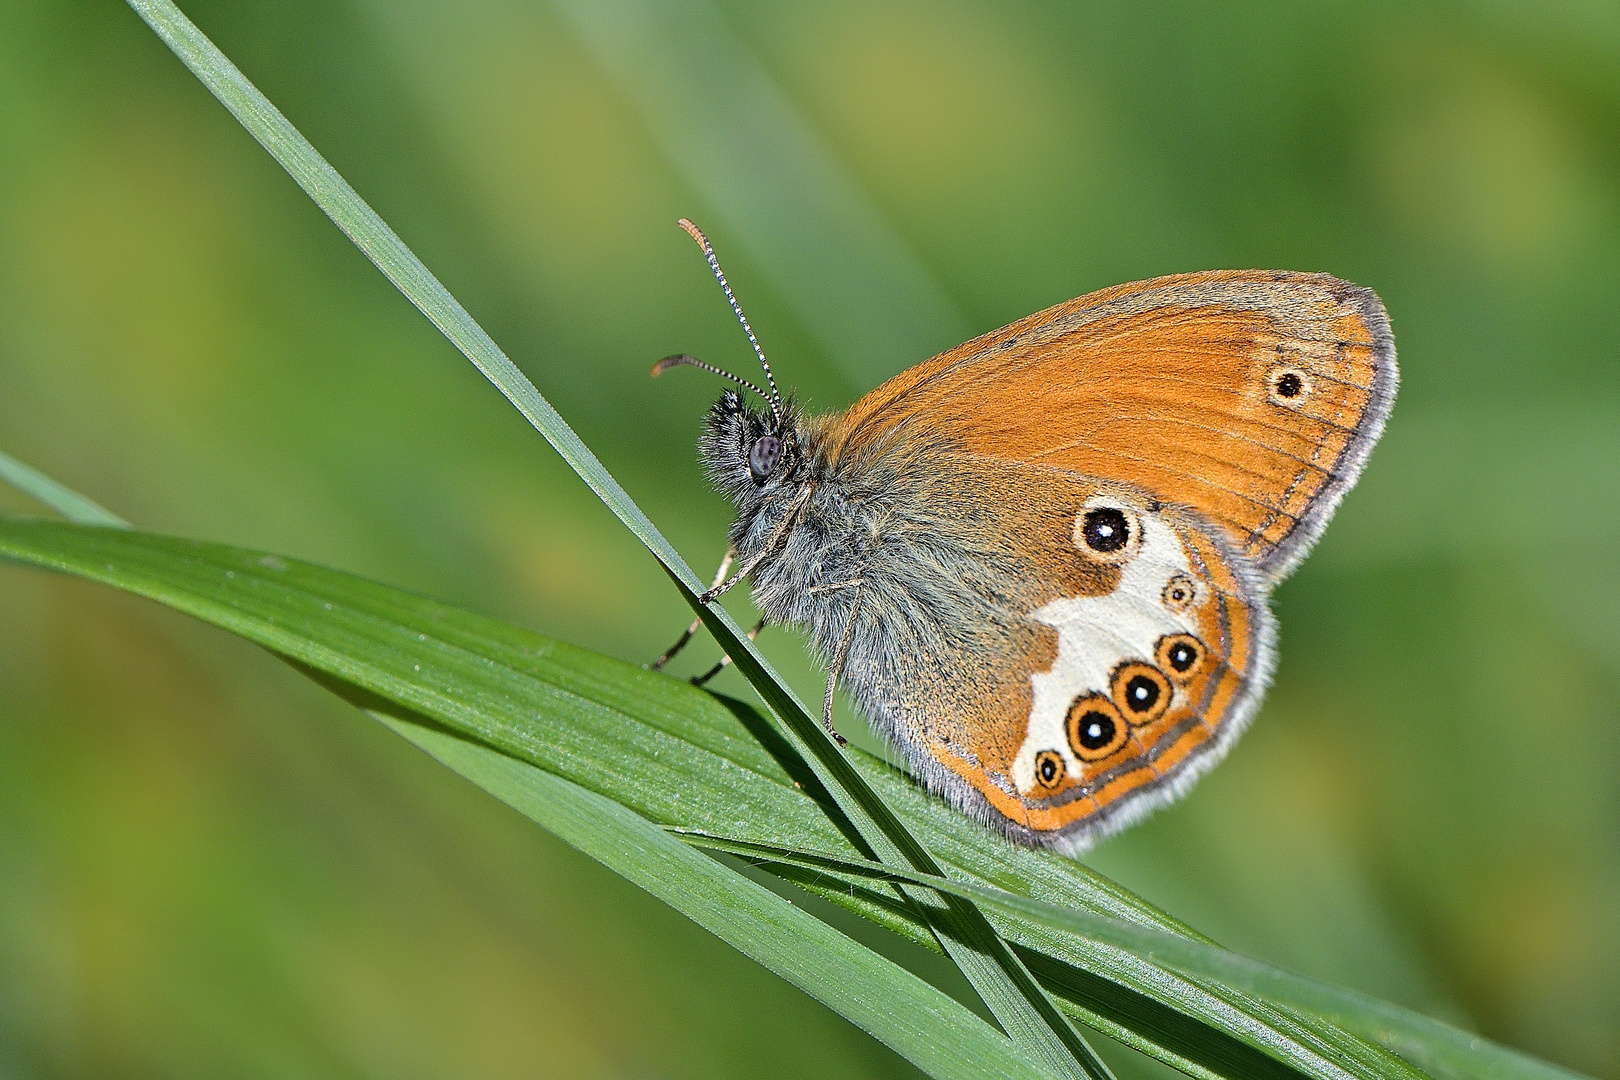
x=680, y=643
x=699, y=680
x=767, y=550
x=839, y=658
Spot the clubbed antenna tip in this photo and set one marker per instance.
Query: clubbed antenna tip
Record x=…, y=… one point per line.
x=683, y=360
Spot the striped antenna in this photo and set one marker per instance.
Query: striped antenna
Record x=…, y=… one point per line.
x=683, y=360
x=714, y=264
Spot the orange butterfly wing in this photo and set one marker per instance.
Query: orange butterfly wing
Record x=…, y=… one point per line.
x=1253, y=396
x=1222, y=415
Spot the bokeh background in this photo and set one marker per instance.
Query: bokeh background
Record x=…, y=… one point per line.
x=210, y=867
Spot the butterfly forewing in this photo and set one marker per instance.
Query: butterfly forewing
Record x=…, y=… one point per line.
x=1253, y=396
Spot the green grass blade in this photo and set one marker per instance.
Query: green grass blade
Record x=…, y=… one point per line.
x=680, y=757
x=64, y=500
x=931, y=1030
x=996, y=973
x=328, y=632
x=1430, y=1043
x=1030, y=1017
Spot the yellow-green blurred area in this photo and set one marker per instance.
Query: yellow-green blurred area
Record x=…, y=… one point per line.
x=209, y=867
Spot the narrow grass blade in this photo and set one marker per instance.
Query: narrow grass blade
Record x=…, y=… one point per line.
x=1028, y=1014
x=682, y=758
x=65, y=501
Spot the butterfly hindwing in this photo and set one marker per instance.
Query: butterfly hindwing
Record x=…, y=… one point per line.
x=1150, y=685
x=1119, y=646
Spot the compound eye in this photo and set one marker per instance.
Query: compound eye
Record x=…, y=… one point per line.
x=763, y=456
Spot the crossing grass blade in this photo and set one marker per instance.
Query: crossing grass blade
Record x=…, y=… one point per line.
x=64, y=500
x=678, y=757
x=933, y=1031
x=419, y=680
x=1030, y=1017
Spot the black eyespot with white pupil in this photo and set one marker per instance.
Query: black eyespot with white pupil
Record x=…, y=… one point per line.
x=763, y=456
x=1182, y=655
x=1141, y=693
x=1096, y=730
x=1105, y=530
x=1049, y=769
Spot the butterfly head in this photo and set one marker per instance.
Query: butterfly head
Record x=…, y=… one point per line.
x=751, y=454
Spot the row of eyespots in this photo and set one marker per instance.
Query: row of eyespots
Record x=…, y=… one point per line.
x=1098, y=726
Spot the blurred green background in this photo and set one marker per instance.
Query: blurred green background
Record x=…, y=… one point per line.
x=210, y=867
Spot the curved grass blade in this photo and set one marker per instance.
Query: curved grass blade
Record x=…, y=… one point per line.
x=680, y=757
x=878, y=827
x=931, y=1030
x=1024, y=1010
x=241, y=593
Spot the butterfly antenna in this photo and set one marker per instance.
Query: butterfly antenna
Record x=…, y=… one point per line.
x=714, y=264
x=682, y=360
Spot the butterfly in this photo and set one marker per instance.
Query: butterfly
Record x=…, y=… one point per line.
x=1040, y=563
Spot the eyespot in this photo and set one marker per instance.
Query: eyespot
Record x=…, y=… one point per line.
x=1180, y=593
x=1095, y=728
x=1049, y=769
x=1289, y=386
x=1106, y=532
x=763, y=456
x=1141, y=691
x=1182, y=655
